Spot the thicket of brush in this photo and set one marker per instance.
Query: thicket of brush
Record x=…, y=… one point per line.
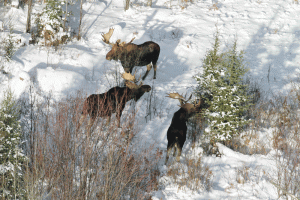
x=67, y=161
x=64, y=162
x=281, y=113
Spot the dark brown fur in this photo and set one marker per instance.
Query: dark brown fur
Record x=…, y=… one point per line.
x=132, y=55
x=112, y=101
x=176, y=134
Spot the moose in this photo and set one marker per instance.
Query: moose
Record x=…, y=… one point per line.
x=132, y=55
x=112, y=101
x=176, y=134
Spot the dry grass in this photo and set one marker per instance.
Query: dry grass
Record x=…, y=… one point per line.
x=248, y=143
x=68, y=163
x=155, y=105
x=286, y=141
x=281, y=113
x=214, y=7
x=242, y=175
x=192, y=174
x=185, y=3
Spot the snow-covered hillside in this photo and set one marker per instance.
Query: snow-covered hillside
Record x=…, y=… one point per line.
x=267, y=30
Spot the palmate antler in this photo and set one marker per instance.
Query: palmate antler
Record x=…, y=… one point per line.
x=190, y=107
x=132, y=85
x=181, y=99
x=128, y=77
x=130, y=81
x=107, y=36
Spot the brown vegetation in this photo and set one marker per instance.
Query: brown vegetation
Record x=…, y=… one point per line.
x=65, y=163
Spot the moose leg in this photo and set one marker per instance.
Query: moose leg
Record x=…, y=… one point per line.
x=154, y=67
x=169, y=149
x=179, y=149
x=149, y=67
x=178, y=144
x=175, y=148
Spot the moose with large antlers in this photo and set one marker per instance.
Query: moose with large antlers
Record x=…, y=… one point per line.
x=176, y=134
x=112, y=101
x=132, y=55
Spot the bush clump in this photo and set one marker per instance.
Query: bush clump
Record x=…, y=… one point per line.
x=50, y=24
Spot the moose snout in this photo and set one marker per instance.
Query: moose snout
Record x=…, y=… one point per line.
x=148, y=89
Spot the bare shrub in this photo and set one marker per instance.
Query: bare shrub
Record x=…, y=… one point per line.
x=185, y=3
x=281, y=113
x=113, y=76
x=248, y=143
x=214, y=7
x=254, y=92
x=242, y=175
x=154, y=104
x=67, y=163
x=247, y=174
x=286, y=141
x=191, y=173
x=149, y=3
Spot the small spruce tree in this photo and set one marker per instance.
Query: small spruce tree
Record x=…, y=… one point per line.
x=50, y=23
x=225, y=93
x=11, y=157
x=54, y=12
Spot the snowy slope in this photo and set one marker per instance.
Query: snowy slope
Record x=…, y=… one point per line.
x=267, y=30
